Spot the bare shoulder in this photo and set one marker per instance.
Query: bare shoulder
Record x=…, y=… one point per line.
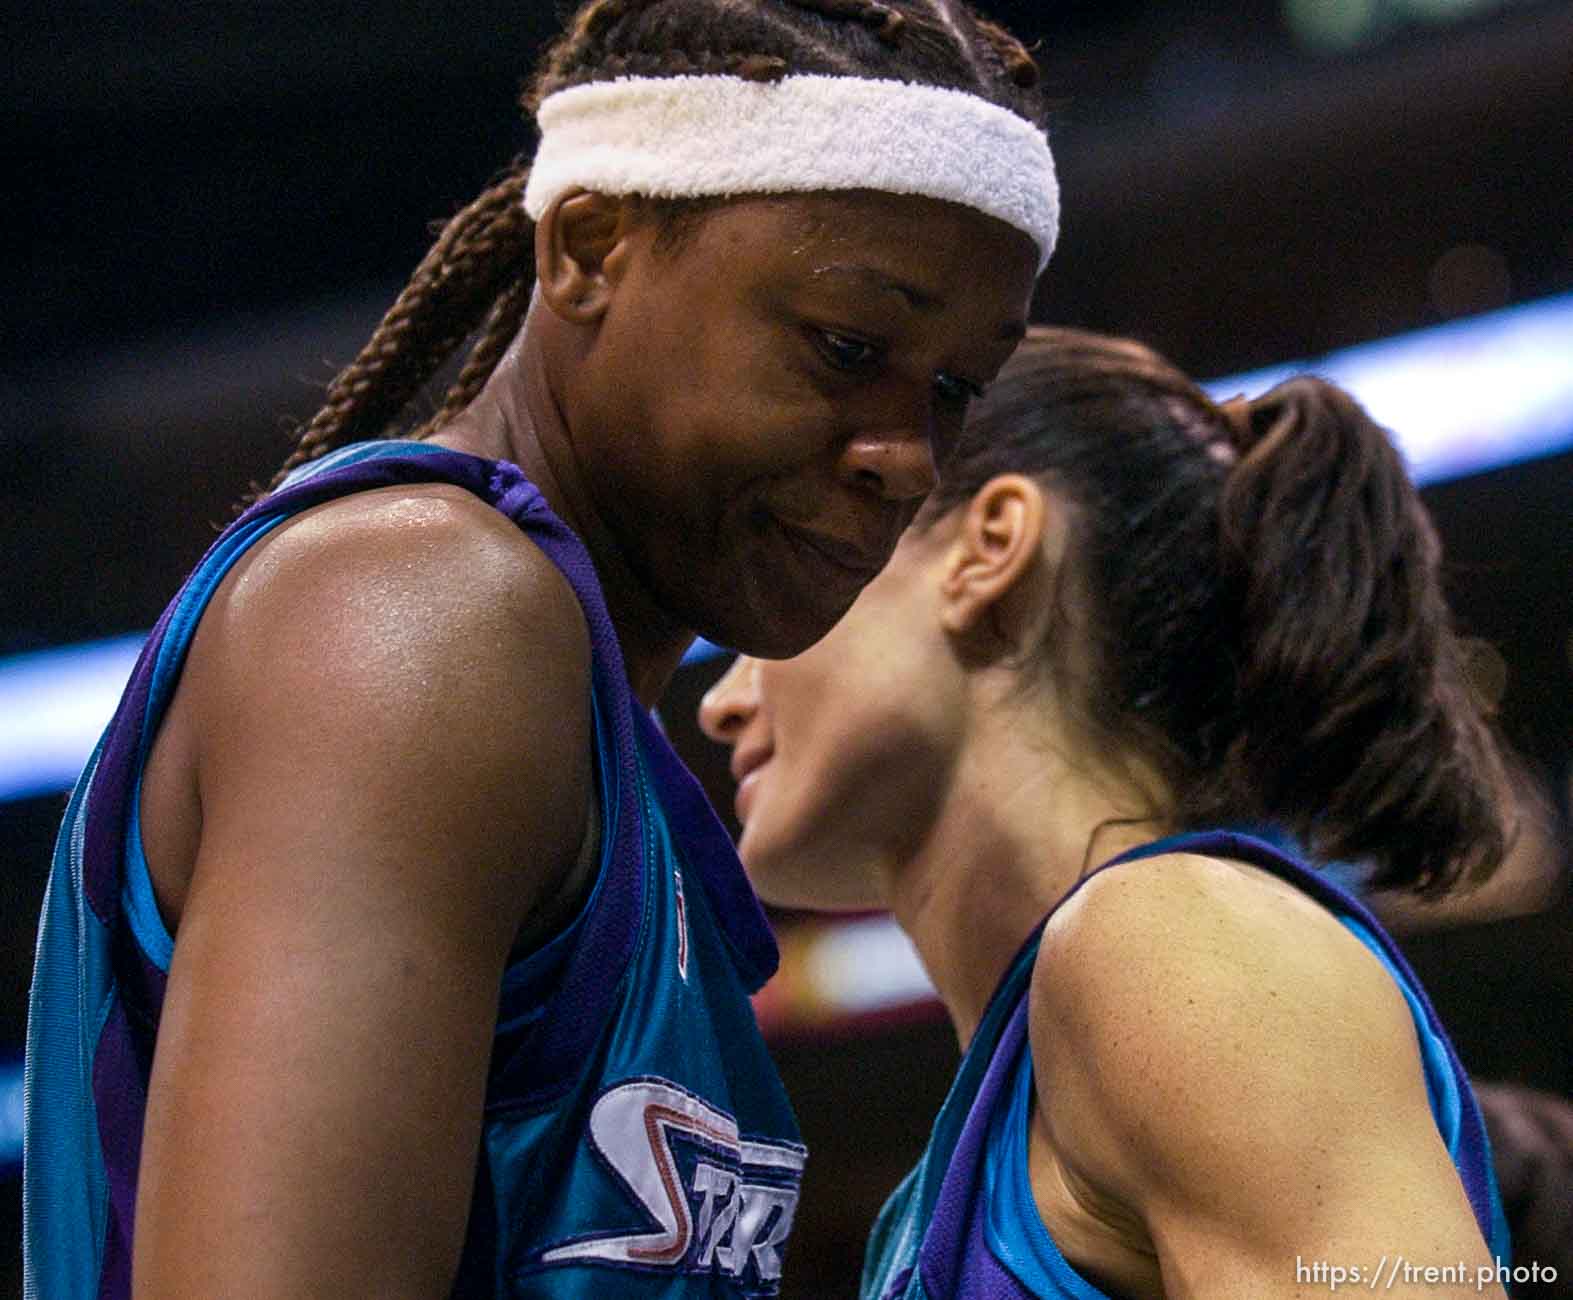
x=387, y=708
x=1211, y=991
x=1135, y=929
x=392, y=655
x=436, y=547
x=391, y=586
x=1222, y=1061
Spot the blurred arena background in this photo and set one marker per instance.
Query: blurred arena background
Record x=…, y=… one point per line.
x=210, y=206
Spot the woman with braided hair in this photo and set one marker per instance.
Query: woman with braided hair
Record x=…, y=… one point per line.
x=389, y=949
x=1143, y=665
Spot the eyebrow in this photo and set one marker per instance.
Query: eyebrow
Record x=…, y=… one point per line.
x=1012, y=331
x=880, y=282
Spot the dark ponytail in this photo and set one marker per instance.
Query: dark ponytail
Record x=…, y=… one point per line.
x=1351, y=680
x=475, y=282
x=1263, y=607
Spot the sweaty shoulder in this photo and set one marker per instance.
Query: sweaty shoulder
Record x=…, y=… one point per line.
x=402, y=661
x=395, y=585
x=387, y=706
x=400, y=538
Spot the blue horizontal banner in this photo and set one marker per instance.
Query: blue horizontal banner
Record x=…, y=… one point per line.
x=10, y=1118
x=1459, y=398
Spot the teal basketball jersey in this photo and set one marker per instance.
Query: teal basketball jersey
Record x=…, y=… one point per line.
x=964, y=1225
x=637, y=1141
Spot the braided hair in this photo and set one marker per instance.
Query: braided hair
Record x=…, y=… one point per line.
x=474, y=283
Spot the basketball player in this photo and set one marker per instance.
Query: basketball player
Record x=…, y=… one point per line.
x=1144, y=666
x=389, y=950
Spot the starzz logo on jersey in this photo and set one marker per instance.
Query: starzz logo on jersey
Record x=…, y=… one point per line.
x=717, y=1203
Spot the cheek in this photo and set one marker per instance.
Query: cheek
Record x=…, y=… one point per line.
x=820, y=836
x=708, y=430
x=856, y=767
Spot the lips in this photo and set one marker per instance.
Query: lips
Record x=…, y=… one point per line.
x=746, y=759
x=746, y=765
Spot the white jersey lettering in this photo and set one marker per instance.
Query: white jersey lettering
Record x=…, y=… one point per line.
x=720, y=1220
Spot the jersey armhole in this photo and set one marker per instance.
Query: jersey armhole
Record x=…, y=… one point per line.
x=527, y=982
x=1014, y=1229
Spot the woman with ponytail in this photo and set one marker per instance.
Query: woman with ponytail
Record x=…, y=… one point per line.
x=1152, y=692
x=389, y=949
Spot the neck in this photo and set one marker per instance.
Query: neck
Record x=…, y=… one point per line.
x=519, y=417
x=1019, y=824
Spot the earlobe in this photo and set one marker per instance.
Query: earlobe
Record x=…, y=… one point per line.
x=581, y=248
x=998, y=542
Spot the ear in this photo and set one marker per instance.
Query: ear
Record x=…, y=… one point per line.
x=999, y=540
x=582, y=247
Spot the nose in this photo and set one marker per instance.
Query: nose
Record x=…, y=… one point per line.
x=731, y=703
x=894, y=459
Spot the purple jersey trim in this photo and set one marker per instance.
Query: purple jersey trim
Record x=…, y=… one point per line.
x=120, y=1099
x=709, y=850
x=955, y=1260
x=113, y=782
x=557, y=1045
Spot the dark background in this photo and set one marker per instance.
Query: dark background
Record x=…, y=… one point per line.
x=209, y=206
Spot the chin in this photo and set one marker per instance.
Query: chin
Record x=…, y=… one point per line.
x=778, y=885
x=765, y=880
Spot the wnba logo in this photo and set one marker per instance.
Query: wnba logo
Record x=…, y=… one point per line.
x=721, y=1204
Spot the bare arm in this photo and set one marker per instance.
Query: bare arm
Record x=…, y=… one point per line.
x=1217, y=1057
x=389, y=698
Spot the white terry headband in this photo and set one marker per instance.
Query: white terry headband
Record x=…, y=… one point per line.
x=697, y=136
